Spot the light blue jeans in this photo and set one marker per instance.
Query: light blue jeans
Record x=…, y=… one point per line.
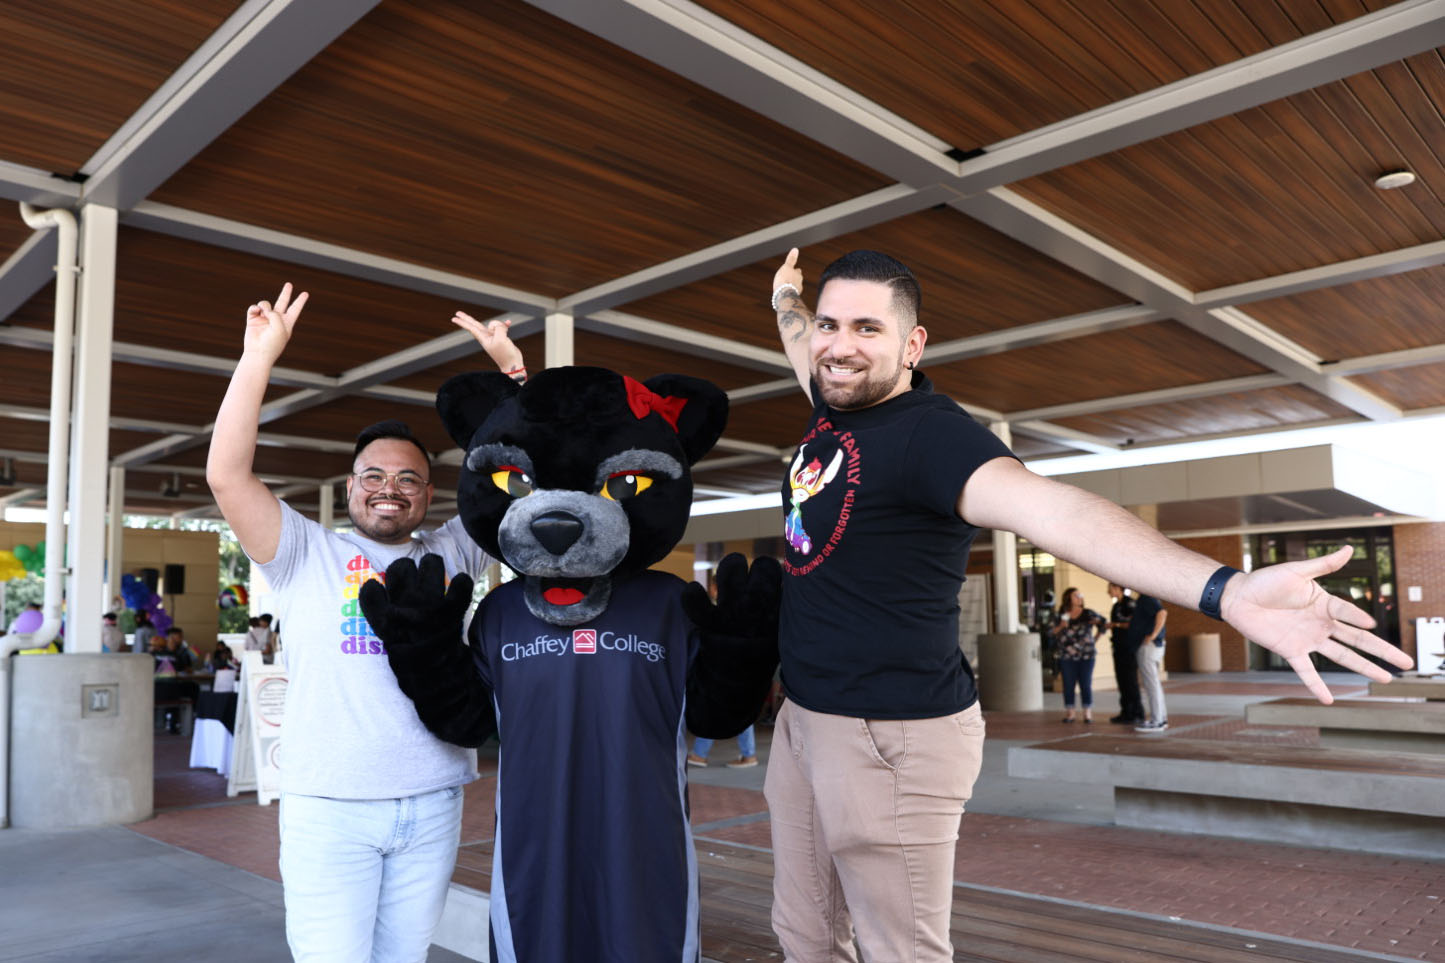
x=747, y=744
x=367, y=879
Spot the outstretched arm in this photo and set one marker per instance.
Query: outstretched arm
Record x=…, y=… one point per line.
x=1281, y=607
x=496, y=341
x=248, y=505
x=795, y=321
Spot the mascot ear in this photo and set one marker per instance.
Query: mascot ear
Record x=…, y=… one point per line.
x=466, y=400
x=703, y=418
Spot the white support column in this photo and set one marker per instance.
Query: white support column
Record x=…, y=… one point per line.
x=326, y=500
x=559, y=340
x=89, y=437
x=1005, y=563
x=115, y=534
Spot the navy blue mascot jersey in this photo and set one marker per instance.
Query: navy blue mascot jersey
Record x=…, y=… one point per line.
x=594, y=859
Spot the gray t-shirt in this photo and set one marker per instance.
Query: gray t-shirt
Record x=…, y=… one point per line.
x=349, y=731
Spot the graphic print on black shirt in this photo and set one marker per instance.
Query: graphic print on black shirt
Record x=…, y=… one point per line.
x=820, y=498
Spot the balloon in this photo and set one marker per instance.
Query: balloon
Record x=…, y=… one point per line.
x=161, y=619
x=29, y=621
x=232, y=596
x=133, y=590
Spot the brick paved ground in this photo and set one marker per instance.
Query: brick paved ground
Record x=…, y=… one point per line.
x=1375, y=903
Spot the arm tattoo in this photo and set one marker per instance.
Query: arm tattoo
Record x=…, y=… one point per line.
x=795, y=321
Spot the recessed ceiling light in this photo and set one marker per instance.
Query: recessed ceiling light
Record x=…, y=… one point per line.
x=1393, y=179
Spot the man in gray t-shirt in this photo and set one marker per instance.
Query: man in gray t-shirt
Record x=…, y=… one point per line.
x=371, y=802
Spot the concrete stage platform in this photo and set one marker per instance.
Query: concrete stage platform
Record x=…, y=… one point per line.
x=199, y=880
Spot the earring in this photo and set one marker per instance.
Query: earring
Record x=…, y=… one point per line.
x=910, y=366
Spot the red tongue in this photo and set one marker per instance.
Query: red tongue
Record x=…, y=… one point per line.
x=564, y=596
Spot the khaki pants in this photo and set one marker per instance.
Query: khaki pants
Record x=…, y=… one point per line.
x=865, y=817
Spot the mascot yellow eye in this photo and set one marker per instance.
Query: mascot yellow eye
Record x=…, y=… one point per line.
x=512, y=480
x=624, y=485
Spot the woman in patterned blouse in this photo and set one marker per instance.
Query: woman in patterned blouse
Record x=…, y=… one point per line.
x=1075, y=634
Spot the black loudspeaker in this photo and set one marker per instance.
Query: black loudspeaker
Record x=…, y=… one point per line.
x=151, y=577
x=175, y=580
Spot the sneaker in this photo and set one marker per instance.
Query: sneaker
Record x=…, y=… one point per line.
x=695, y=760
x=743, y=762
x=1152, y=726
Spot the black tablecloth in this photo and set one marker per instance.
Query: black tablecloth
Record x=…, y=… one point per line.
x=218, y=705
x=168, y=690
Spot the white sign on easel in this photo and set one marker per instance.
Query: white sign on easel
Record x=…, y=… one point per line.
x=259, y=710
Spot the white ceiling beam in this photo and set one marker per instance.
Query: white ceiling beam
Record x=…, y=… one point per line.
x=1040, y=332
x=733, y=461
x=33, y=186
x=1360, y=44
x=707, y=49
x=296, y=249
x=1026, y=222
x=1161, y=396
x=1388, y=360
x=1064, y=436
x=251, y=54
x=1406, y=259
x=27, y=271
x=172, y=360
x=398, y=364
x=629, y=327
x=856, y=214
x=763, y=391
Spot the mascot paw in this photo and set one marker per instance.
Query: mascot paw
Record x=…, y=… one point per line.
x=748, y=600
x=416, y=603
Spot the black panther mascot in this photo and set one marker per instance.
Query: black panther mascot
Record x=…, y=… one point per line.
x=589, y=667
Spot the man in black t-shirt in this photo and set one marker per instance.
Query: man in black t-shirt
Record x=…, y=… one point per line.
x=880, y=739
x=1126, y=662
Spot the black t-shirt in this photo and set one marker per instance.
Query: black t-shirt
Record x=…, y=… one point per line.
x=1142, y=622
x=875, y=557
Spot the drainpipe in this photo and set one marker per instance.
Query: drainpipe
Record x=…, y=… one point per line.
x=62, y=358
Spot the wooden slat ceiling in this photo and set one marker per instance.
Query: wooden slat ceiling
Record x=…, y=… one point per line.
x=641, y=361
x=494, y=141
x=74, y=70
x=343, y=420
x=1235, y=412
x=980, y=72
x=1422, y=386
x=974, y=280
x=499, y=142
x=347, y=322
x=1370, y=317
x=1142, y=358
x=1280, y=188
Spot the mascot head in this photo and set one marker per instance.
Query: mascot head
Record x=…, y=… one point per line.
x=580, y=477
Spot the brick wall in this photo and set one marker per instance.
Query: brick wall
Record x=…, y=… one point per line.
x=1419, y=560
x=1234, y=655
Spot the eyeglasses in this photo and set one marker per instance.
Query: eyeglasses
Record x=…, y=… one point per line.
x=407, y=482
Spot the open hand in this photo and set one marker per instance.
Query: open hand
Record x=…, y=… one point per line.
x=415, y=604
x=268, y=327
x=494, y=338
x=1284, y=609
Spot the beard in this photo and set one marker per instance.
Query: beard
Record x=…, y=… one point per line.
x=875, y=385
x=384, y=528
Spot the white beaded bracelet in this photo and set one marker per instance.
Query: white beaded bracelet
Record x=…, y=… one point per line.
x=778, y=292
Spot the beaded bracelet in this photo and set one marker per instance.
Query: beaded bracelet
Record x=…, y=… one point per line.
x=778, y=292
